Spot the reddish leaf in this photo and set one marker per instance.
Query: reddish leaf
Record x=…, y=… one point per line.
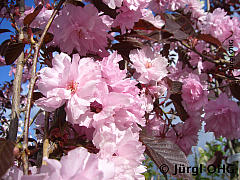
x=174, y=28
x=104, y=8
x=30, y=17
x=125, y=47
x=235, y=89
x=165, y=154
x=236, y=60
x=36, y=96
x=177, y=101
x=185, y=23
x=12, y=52
x=175, y=87
x=165, y=51
x=48, y=38
x=76, y=2
x=6, y=155
x=4, y=30
x=4, y=45
x=144, y=25
x=210, y=39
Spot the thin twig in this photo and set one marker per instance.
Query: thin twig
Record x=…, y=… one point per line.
x=46, y=140
x=218, y=61
x=31, y=88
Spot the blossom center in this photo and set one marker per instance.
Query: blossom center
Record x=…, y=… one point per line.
x=148, y=65
x=72, y=86
x=80, y=34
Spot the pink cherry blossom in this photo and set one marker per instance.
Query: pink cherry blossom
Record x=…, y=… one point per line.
x=79, y=163
x=126, y=18
x=148, y=16
x=193, y=6
x=122, y=148
x=131, y=4
x=136, y=4
x=222, y=117
x=150, y=65
x=194, y=94
x=221, y=26
x=83, y=30
x=69, y=83
x=113, y=3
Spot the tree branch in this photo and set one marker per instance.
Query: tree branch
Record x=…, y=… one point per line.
x=15, y=113
x=31, y=88
x=46, y=140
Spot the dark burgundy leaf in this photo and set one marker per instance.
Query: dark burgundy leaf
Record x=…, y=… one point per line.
x=175, y=87
x=6, y=155
x=236, y=60
x=165, y=153
x=3, y=47
x=210, y=39
x=30, y=17
x=48, y=38
x=122, y=64
x=165, y=51
x=235, y=89
x=1, y=94
x=185, y=24
x=125, y=47
x=144, y=25
x=4, y=30
x=76, y=2
x=104, y=8
x=177, y=101
x=12, y=52
x=37, y=95
x=172, y=27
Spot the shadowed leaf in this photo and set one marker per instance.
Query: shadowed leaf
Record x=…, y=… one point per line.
x=36, y=96
x=104, y=8
x=235, y=88
x=48, y=38
x=30, y=17
x=4, y=30
x=12, y=52
x=76, y=2
x=6, y=155
x=165, y=154
x=144, y=25
x=177, y=101
x=174, y=28
x=210, y=39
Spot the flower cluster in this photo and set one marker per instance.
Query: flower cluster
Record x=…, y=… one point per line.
x=98, y=94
